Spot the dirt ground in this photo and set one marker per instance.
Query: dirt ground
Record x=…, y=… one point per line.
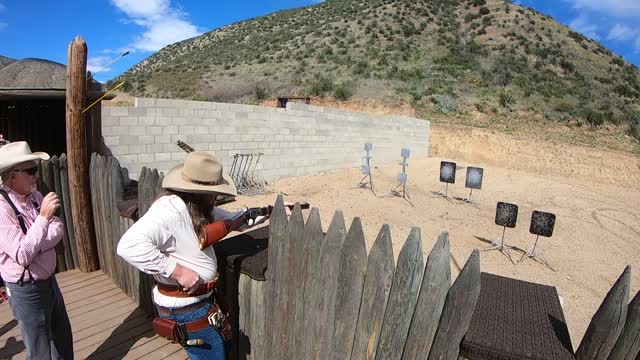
x=595, y=195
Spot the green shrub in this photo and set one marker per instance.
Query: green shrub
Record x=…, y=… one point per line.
x=342, y=91
x=506, y=99
x=261, y=93
x=617, y=61
x=594, y=118
x=484, y=10
x=321, y=85
x=444, y=103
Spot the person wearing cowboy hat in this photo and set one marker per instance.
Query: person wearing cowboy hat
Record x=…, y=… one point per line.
x=172, y=242
x=29, y=232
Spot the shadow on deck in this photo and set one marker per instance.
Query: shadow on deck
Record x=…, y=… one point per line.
x=106, y=323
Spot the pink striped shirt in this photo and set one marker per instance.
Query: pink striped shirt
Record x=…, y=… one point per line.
x=36, y=248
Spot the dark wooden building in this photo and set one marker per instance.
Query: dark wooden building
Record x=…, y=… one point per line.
x=32, y=106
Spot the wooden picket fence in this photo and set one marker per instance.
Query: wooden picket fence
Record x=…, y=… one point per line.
x=326, y=298
x=107, y=189
x=54, y=177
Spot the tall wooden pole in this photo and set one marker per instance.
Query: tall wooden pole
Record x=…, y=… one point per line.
x=77, y=156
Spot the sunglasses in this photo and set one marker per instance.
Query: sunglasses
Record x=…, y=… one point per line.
x=30, y=171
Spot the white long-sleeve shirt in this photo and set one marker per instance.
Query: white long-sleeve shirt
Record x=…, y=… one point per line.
x=164, y=237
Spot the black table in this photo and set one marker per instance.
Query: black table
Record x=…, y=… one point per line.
x=515, y=319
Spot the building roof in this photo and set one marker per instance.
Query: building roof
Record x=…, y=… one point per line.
x=38, y=78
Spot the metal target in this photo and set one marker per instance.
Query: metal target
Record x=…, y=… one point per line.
x=368, y=147
x=474, y=178
x=405, y=153
x=542, y=223
x=402, y=178
x=448, y=172
x=506, y=214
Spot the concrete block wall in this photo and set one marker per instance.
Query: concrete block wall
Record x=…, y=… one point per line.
x=299, y=140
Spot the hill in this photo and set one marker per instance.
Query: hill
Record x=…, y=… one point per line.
x=440, y=56
x=4, y=61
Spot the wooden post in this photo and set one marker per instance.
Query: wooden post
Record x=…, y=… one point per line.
x=77, y=156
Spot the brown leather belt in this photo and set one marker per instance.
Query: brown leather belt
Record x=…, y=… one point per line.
x=202, y=323
x=177, y=290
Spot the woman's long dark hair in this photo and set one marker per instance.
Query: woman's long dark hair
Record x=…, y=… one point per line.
x=199, y=207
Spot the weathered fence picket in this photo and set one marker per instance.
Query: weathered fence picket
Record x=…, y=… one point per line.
x=353, y=262
x=312, y=239
x=458, y=311
x=277, y=229
x=298, y=266
x=433, y=293
x=402, y=299
x=628, y=345
x=608, y=322
x=377, y=285
x=66, y=199
x=323, y=313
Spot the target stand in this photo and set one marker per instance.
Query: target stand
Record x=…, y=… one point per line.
x=506, y=216
x=367, y=181
x=473, y=181
x=542, y=224
x=401, y=189
x=447, y=176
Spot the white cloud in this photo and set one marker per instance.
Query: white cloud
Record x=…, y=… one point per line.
x=582, y=25
x=96, y=63
x=622, y=33
x=162, y=23
x=624, y=8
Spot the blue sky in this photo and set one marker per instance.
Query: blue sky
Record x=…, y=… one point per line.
x=44, y=29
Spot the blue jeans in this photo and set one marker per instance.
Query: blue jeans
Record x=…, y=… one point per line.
x=44, y=323
x=214, y=346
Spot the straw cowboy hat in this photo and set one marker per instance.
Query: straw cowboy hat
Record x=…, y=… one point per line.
x=200, y=173
x=18, y=152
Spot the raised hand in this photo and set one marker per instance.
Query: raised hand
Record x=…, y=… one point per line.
x=50, y=205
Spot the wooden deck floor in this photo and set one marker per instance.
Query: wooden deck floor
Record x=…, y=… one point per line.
x=106, y=323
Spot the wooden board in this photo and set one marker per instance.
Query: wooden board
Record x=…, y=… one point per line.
x=402, y=299
x=353, y=262
x=273, y=274
x=64, y=181
x=312, y=239
x=628, y=345
x=458, y=311
x=323, y=312
x=608, y=322
x=433, y=293
x=375, y=293
x=106, y=324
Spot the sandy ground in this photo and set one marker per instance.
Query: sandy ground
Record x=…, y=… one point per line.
x=595, y=197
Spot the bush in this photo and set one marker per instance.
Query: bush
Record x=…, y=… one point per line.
x=342, y=92
x=506, y=99
x=594, y=118
x=634, y=124
x=321, y=85
x=261, y=93
x=444, y=103
x=484, y=10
